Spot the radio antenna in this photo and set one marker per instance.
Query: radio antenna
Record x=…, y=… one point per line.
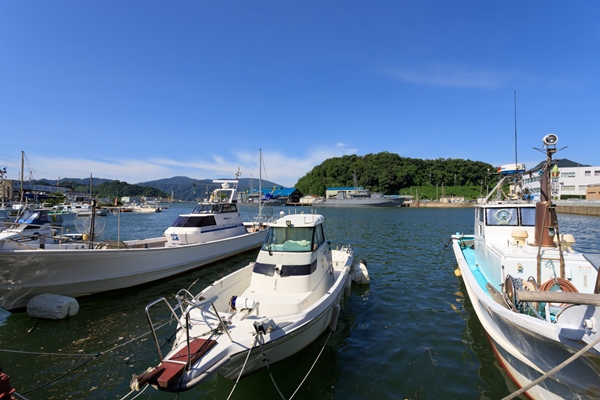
x=515, y=112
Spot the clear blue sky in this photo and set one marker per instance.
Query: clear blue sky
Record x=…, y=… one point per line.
x=144, y=90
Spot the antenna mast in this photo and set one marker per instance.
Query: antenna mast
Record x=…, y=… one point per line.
x=515, y=112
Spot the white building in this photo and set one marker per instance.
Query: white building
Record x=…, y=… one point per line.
x=567, y=181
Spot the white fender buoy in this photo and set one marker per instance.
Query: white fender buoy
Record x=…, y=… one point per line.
x=335, y=313
x=52, y=306
x=361, y=275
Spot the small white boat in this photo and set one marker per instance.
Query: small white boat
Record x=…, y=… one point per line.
x=143, y=208
x=29, y=230
x=537, y=297
x=270, y=309
x=34, y=260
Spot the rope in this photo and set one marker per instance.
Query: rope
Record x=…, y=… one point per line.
x=63, y=375
x=553, y=370
x=242, y=370
x=266, y=361
x=137, y=395
x=312, y=366
x=90, y=355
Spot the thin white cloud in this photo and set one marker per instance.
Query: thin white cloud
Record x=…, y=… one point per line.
x=278, y=167
x=453, y=75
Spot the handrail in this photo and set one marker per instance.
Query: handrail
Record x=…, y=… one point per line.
x=191, y=307
x=152, y=325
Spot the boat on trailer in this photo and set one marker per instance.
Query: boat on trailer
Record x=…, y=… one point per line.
x=35, y=259
x=268, y=310
x=537, y=298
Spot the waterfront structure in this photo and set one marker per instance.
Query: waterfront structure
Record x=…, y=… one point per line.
x=567, y=180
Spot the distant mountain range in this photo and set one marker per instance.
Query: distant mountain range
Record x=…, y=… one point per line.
x=182, y=187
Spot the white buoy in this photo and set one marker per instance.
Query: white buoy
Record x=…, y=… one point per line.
x=52, y=306
x=361, y=275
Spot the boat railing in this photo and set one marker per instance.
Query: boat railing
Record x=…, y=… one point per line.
x=192, y=304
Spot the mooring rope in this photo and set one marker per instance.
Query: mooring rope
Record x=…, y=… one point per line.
x=62, y=376
x=554, y=370
x=90, y=356
x=313, y=365
x=243, y=367
x=266, y=361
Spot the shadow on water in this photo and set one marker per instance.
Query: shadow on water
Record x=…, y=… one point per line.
x=410, y=334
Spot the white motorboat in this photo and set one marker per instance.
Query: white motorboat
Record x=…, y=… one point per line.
x=144, y=208
x=59, y=264
x=28, y=230
x=268, y=310
x=537, y=297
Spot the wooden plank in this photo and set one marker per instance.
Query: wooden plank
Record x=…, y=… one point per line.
x=559, y=297
x=173, y=366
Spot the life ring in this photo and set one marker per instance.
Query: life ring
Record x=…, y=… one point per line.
x=503, y=216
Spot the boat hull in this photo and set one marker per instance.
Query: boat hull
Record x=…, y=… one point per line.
x=78, y=272
x=231, y=359
x=528, y=347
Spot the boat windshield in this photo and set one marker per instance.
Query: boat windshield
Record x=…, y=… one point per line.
x=193, y=221
x=511, y=216
x=214, y=208
x=29, y=217
x=290, y=239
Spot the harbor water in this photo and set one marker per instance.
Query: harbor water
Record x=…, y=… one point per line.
x=410, y=334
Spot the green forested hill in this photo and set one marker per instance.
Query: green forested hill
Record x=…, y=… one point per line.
x=389, y=173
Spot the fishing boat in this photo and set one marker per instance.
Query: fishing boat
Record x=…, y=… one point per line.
x=78, y=265
x=537, y=298
x=268, y=310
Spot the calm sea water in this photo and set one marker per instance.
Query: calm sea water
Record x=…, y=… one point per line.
x=410, y=334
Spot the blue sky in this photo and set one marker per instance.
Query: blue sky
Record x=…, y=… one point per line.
x=144, y=90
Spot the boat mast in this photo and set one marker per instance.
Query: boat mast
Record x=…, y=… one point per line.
x=22, y=171
x=260, y=203
x=546, y=222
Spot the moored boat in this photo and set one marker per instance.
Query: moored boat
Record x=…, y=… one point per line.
x=77, y=265
x=536, y=296
x=267, y=310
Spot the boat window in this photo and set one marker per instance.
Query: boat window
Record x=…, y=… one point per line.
x=502, y=216
x=229, y=208
x=289, y=239
x=297, y=270
x=319, y=236
x=528, y=216
x=480, y=215
x=29, y=218
x=264, y=269
x=194, y=222
x=203, y=209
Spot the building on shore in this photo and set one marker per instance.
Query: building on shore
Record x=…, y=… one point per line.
x=567, y=180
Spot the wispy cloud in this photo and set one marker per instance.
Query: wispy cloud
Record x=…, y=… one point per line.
x=453, y=75
x=279, y=167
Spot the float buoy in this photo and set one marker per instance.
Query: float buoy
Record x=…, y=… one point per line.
x=52, y=306
x=361, y=274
